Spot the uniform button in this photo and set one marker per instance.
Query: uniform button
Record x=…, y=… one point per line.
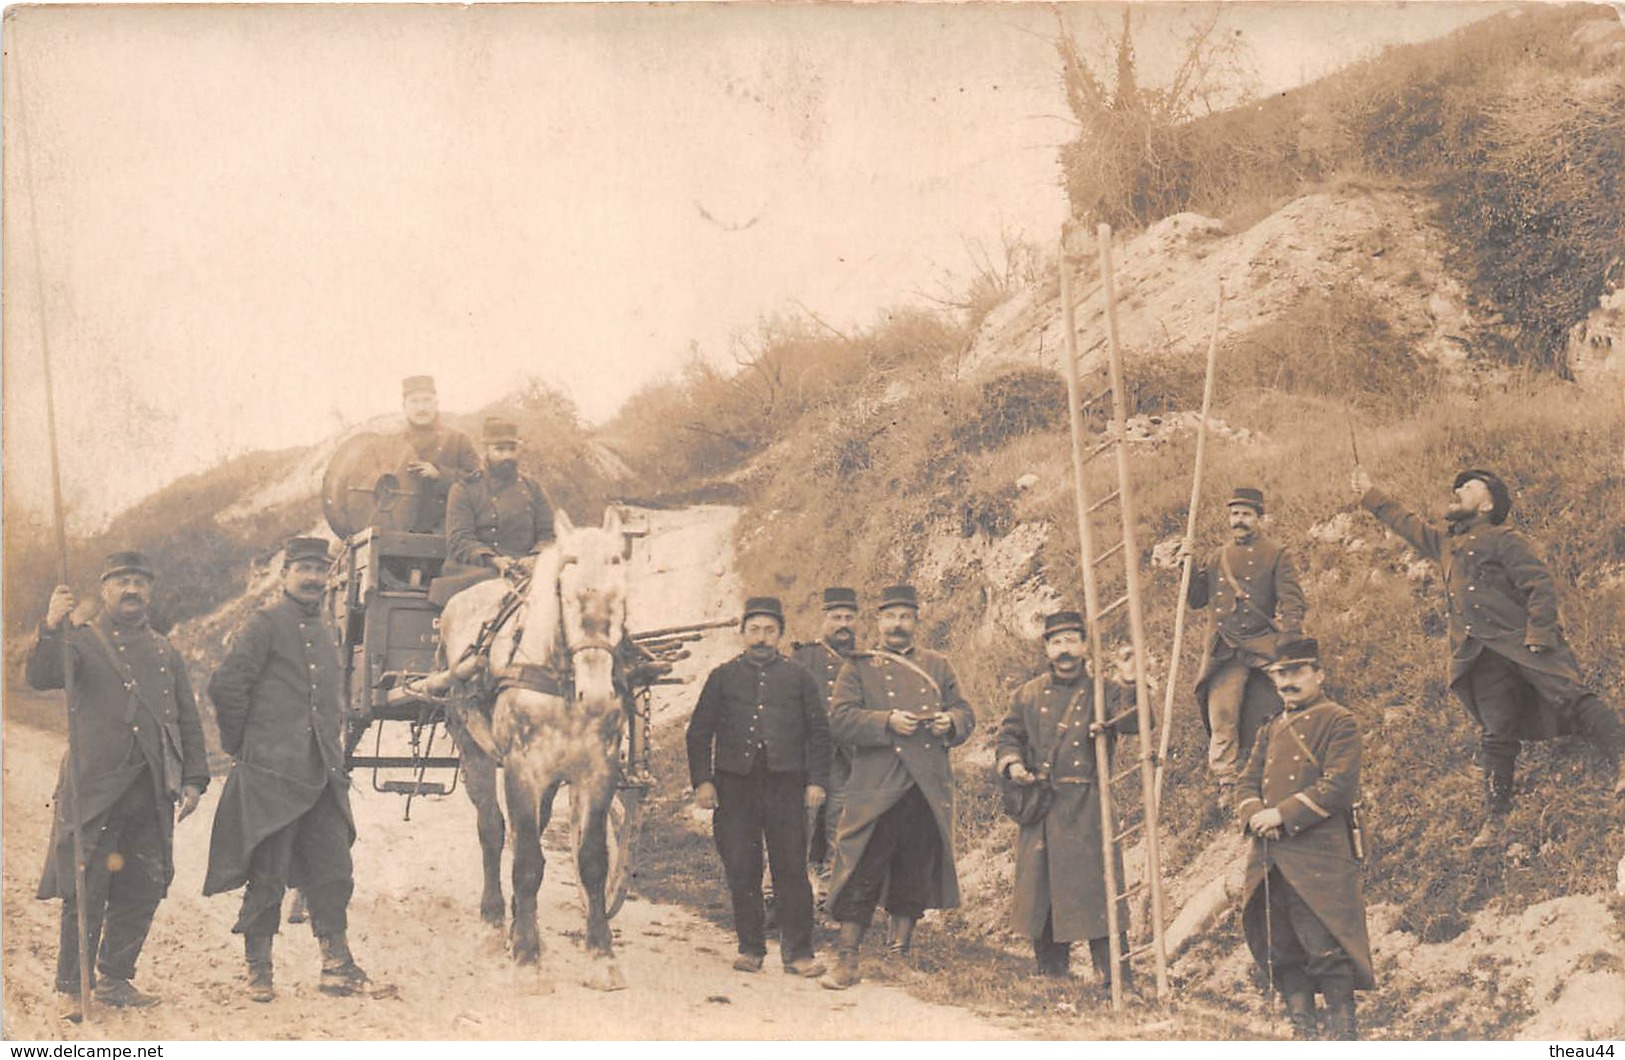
x=891, y=693
x=897, y=750
x=135, y=728
x=1292, y=776
x=928, y=747
x=1043, y=710
x=1076, y=762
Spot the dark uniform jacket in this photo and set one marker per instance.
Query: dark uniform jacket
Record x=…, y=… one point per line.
x=824, y=662
x=749, y=713
x=1306, y=763
x=884, y=765
x=1060, y=860
x=487, y=518
x=277, y=696
x=1239, y=624
x=451, y=452
x=1499, y=597
x=123, y=724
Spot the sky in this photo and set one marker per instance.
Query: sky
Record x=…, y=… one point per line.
x=245, y=225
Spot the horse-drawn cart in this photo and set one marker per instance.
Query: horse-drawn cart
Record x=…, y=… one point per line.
x=405, y=701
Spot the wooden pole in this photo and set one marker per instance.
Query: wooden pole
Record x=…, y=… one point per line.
x=1190, y=538
x=76, y=824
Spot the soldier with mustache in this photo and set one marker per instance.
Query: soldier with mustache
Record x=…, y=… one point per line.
x=138, y=753
x=1302, y=907
x=1250, y=588
x=1060, y=891
x=1510, y=664
x=444, y=454
x=284, y=818
x=494, y=518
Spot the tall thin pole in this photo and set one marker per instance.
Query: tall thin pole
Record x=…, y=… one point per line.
x=75, y=821
x=1190, y=537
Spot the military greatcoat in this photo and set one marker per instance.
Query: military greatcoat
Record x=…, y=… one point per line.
x=1059, y=860
x=1240, y=624
x=824, y=662
x=1499, y=597
x=277, y=696
x=885, y=765
x=1306, y=763
x=129, y=715
x=453, y=455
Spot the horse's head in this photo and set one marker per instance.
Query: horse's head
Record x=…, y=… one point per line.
x=592, y=602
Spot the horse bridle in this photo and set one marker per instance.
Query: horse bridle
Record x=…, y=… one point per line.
x=547, y=678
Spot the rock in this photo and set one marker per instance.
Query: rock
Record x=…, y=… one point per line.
x=1027, y=481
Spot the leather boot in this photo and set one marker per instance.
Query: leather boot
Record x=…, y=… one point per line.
x=902, y=933
x=257, y=948
x=341, y=976
x=846, y=958
x=1300, y=1009
x=1340, y=1022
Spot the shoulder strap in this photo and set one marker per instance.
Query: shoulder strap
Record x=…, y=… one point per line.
x=122, y=668
x=916, y=667
x=1286, y=723
x=1241, y=594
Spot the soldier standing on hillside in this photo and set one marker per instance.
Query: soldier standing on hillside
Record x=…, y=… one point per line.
x=284, y=818
x=1302, y=909
x=444, y=454
x=1060, y=894
x=824, y=658
x=1251, y=589
x=758, y=754
x=139, y=746
x=1509, y=663
x=494, y=518
x=898, y=709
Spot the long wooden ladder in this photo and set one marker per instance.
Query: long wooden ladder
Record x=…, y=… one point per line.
x=1106, y=547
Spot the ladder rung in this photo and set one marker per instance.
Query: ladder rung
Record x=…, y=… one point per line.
x=1102, y=502
x=1143, y=947
x=1131, y=890
x=1109, y=553
x=1113, y=606
x=1101, y=448
x=1130, y=830
x=1096, y=397
x=1122, y=774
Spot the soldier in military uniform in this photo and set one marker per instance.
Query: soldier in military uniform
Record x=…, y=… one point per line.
x=139, y=748
x=898, y=709
x=758, y=754
x=495, y=517
x=1510, y=664
x=1302, y=909
x=1251, y=590
x=824, y=658
x=444, y=454
x=1060, y=892
x=284, y=817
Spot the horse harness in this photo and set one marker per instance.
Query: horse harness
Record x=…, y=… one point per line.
x=546, y=678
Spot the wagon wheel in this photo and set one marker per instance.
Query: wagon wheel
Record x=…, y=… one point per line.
x=624, y=824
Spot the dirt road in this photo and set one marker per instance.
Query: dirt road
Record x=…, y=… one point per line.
x=414, y=919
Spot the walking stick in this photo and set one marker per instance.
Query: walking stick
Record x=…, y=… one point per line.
x=1190, y=535
x=61, y=549
x=1269, y=928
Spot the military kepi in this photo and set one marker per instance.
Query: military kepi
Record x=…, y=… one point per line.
x=763, y=605
x=498, y=429
x=899, y=596
x=1295, y=653
x=417, y=384
x=1248, y=495
x=840, y=596
x=1063, y=622
x=299, y=548
x=127, y=563
x=1499, y=493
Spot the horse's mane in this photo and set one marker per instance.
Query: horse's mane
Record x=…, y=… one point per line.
x=541, y=630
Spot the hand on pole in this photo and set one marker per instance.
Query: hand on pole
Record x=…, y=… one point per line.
x=813, y=797
x=705, y=796
x=61, y=606
x=1266, y=823
x=902, y=722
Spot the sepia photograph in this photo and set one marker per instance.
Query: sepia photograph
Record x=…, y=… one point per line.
x=898, y=521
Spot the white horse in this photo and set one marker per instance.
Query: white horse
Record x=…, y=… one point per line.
x=555, y=718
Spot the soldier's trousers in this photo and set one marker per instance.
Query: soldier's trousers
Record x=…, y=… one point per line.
x=771, y=806
x=313, y=849
x=1500, y=695
x=125, y=878
x=1304, y=954
x=903, y=847
x=1226, y=690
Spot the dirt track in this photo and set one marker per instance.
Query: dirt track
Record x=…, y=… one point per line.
x=415, y=922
